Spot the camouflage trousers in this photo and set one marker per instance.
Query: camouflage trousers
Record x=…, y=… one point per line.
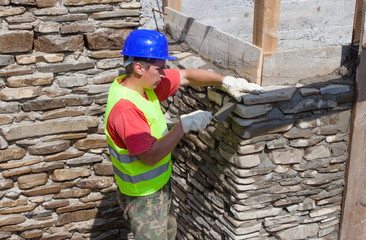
x=149, y=215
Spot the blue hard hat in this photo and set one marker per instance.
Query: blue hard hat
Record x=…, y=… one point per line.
x=146, y=44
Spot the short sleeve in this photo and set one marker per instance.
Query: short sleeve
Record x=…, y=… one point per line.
x=129, y=128
x=169, y=85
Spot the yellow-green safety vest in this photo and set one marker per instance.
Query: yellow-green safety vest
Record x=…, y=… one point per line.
x=133, y=176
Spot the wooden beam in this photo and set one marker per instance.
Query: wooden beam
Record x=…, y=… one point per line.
x=357, y=23
x=266, y=24
x=353, y=222
x=174, y=4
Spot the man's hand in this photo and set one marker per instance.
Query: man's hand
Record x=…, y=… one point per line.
x=195, y=121
x=237, y=86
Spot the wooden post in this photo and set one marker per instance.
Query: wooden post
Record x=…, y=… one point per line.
x=266, y=24
x=357, y=23
x=174, y=4
x=353, y=222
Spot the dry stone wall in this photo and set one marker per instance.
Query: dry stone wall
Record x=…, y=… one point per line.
x=273, y=170
x=57, y=60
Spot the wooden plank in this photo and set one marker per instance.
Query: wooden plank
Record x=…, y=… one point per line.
x=266, y=24
x=174, y=4
x=221, y=48
x=357, y=23
x=353, y=222
x=353, y=225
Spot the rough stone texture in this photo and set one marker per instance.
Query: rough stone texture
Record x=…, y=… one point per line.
x=31, y=234
x=77, y=193
x=69, y=153
x=76, y=216
x=16, y=41
x=116, y=14
x=6, y=60
x=57, y=102
x=21, y=131
x=8, y=94
x=106, y=39
x=316, y=152
x=271, y=94
x=48, y=147
x=48, y=27
x=104, y=169
x=12, y=154
x=191, y=62
x=299, y=232
x=32, y=180
x=286, y=156
x=252, y=111
x=43, y=190
x=86, y=2
x=11, y=219
x=63, y=112
x=58, y=44
x=30, y=80
x=46, y=3
x=69, y=174
x=96, y=141
x=95, y=182
x=64, y=67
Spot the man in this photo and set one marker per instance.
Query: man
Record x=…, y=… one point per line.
x=139, y=141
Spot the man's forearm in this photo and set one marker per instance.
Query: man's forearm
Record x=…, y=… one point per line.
x=163, y=146
x=200, y=77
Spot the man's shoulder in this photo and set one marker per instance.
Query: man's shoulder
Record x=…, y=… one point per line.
x=124, y=105
x=168, y=85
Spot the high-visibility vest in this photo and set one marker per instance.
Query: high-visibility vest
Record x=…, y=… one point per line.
x=133, y=176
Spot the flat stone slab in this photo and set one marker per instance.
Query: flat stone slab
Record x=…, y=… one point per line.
x=263, y=128
x=335, y=89
x=25, y=130
x=286, y=156
x=16, y=41
x=271, y=94
x=304, y=231
x=11, y=219
x=309, y=91
x=192, y=62
x=252, y=111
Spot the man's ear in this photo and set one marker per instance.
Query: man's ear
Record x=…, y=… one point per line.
x=139, y=68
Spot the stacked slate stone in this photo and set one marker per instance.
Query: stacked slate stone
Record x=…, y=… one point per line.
x=57, y=60
x=273, y=170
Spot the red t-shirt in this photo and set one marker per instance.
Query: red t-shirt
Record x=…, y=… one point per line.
x=127, y=124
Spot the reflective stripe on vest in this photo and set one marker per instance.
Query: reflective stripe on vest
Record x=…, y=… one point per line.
x=143, y=176
x=122, y=158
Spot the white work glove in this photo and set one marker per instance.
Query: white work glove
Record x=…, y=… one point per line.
x=236, y=86
x=195, y=121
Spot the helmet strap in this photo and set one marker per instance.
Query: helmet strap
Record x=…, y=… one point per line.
x=129, y=61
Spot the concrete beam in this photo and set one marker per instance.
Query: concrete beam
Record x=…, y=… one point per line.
x=221, y=48
x=288, y=67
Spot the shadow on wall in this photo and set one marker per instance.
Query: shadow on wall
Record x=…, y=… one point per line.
x=109, y=222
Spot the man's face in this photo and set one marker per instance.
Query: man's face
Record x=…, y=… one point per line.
x=153, y=75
